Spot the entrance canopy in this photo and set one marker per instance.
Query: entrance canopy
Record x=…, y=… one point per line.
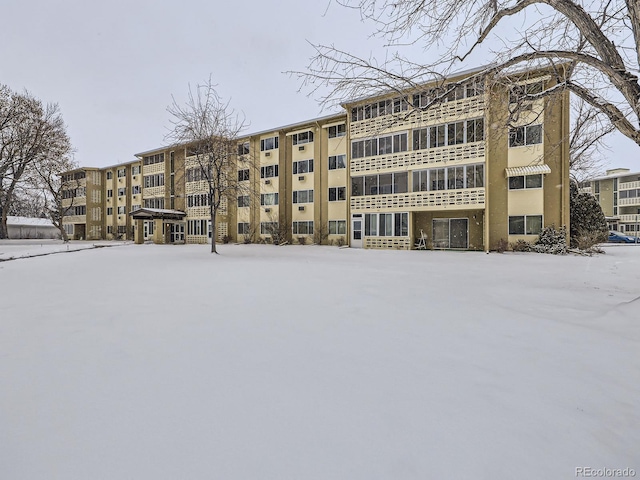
x=157, y=214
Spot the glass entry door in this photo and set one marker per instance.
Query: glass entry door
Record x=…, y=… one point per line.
x=451, y=233
x=356, y=230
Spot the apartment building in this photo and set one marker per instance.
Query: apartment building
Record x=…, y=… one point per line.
x=392, y=171
x=618, y=193
x=82, y=197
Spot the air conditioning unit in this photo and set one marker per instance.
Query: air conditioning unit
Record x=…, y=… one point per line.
x=268, y=154
x=301, y=177
x=301, y=148
x=267, y=182
x=120, y=180
x=134, y=177
x=267, y=210
x=301, y=209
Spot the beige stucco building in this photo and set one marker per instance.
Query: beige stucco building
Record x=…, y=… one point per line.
x=391, y=171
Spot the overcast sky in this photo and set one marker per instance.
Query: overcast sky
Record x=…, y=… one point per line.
x=114, y=66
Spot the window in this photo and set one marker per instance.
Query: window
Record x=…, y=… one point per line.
x=525, y=181
x=302, y=228
x=109, y=210
x=122, y=192
x=244, y=228
x=156, y=180
x=109, y=175
x=266, y=228
x=122, y=229
x=379, y=146
x=337, y=161
x=454, y=133
x=303, y=166
x=243, y=201
x=243, y=149
x=451, y=178
x=155, y=202
x=519, y=92
x=337, y=227
x=270, y=143
x=109, y=229
x=200, y=228
x=122, y=172
x=243, y=175
x=448, y=93
x=450, y=233
x=337, y=194
x=195, y=174
x=303, y=196
x=386, y=224
x=197, y=200
x=526, y=135
x=269, y=171
x=525, y=224
x=338, y=131
x=122, y=210
x=269, y=199
x=383, y=107
x=135, y=170
x=136, y=189
x=135, y=207
x=151, y=159
x=301, y=138
x=109, y=193
x=379, y=184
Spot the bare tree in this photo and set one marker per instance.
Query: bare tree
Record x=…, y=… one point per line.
x=209, y=129
x=58, y=193
x=30, y=133
x=593, y=48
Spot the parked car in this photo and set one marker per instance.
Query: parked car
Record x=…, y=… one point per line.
x=619, y=237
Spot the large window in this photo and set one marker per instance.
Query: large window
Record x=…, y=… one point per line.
x=200, y=228
x=379, y=184
x=267, y=228
x=303, y=166
x=109, y=210
x=337, y=131
x=109, y=193
x=386, y=224
x=122, y=192
x=337, y=194
x=151, y=159
x=377, y=109
x=244, y=228
x=270, y=143
x=379, y=146
x=109, y=175
x=525, y=181
x=122, y=172
x=243, y=201
x=198, y=200
x=447, y=93
x=525, y=135
x=303, y=196
x=337, y=161
x=449, y=134
x=450, y=178
x=450, y=233
x=518, y=92
x=122, y=210
x=269, y=171
x=301, y=138
x=337, y=227
x=525, y=224
x=243, y=175
x=268, y=199
x=195, y=174
x=136, y=189
x=302, y=228
x=155, y=202
x=135, y=170
x=243, y=148
x=156, y=180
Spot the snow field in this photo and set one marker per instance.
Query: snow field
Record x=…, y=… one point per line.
x=309, y=362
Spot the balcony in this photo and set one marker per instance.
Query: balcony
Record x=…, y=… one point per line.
x=629, y=218
x=431, y=157
x=628, y=185
x=629, y=202
x=463, y=199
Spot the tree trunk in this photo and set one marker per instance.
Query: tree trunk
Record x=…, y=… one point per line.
x=213, y=211
x=4, y=232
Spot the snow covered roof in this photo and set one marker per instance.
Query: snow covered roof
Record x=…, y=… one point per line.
x=145, y=213
x=39, y=222
x=528, y=170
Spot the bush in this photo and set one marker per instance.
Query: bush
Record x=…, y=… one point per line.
x=302, y=240
x=341, y=242
x=320, y=235
x=502, y=246
x=588, y=223
x=588, y=242
x=226, y=239
x=551, y=241
x=521, y=246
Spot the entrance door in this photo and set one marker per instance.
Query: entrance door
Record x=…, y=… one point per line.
x=451, y=233
x=148, y=229
x=356, y=230
x=177, y=232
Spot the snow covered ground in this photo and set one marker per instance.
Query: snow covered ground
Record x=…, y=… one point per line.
x=14, y=249
x=304, y=362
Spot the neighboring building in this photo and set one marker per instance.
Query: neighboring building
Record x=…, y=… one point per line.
x=618, y=193
x=26, y=227
x=83, y=198
x=380, y=175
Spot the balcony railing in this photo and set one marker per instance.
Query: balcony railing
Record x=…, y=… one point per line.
x=629, y=202
x=630, y=218
x=463, y=199
x=629, y=185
